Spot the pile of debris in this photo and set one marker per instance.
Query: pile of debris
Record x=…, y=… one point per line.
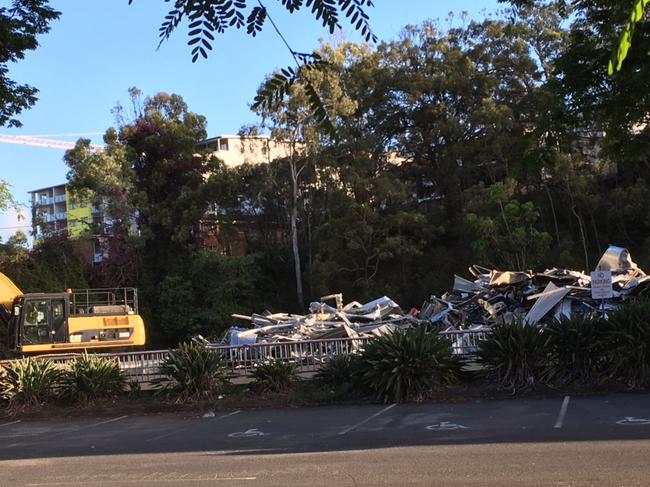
x=505, y=296
x=354, y=320
x=472, y=305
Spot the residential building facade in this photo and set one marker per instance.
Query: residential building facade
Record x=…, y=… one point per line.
x=235, y=150
x=55, y=209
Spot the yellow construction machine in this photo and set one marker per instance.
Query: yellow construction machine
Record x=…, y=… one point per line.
x=70, y=321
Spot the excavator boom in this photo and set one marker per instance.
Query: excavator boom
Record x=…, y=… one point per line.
x=8, y=292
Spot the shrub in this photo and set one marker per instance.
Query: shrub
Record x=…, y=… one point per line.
x=195, y=371
x=627, y=335
x=28, y=382
x=92, y=377
x=406, y=365
x=338, y=370
x=340, y=373
x=514, y=355
x=274, y=376
x=575, y=350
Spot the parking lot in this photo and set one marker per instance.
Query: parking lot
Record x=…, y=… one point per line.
x=274, y=437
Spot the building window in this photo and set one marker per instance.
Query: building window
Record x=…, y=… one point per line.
x=73, y=223
x=223, y=144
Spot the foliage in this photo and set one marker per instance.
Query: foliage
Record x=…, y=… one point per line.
x=340, y=373
x=407, y=365
x=54, y=263
x=201, y=298
x=20, y=24
x=28, y=382
x=514, y=355
x=508, y=237
x=274, y=376
x=216, y=16
x=627, y=338
x=625, y=42
x=575, y=350
x=195, y=371
x=6, y=198
x=91, y=377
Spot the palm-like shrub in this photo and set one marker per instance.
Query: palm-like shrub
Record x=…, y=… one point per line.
x=340, y=373
x=627, y=337
x=195, y=371
x=274, y=376
x=575, y=350
x=407, y=364
x=91, y=377
x=514, y=355
x=28, y=382
x=338, y=370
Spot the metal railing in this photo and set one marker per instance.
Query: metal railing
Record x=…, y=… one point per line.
x=308, y=355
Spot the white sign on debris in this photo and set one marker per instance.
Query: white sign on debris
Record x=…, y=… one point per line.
x=601, y=285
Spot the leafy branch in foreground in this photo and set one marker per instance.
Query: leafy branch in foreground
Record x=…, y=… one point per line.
x=207, y=17
x=278, y=85
x=625, y=41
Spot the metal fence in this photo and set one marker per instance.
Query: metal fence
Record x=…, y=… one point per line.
x=308, y=355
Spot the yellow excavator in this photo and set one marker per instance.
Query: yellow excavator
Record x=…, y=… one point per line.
x=70, y=321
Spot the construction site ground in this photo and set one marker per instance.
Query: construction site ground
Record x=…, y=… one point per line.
x=563, y=440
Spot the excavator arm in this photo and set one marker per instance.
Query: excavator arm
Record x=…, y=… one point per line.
x=8, y=292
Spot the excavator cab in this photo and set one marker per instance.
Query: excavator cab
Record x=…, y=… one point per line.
x=40, y=320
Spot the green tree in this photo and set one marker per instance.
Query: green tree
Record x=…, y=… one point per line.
x=20, y=24
x=506, y=233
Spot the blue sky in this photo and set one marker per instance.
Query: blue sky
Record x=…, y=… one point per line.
x=100, y=48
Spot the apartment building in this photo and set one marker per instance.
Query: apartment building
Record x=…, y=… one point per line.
x=55, y=209
x=235, y=150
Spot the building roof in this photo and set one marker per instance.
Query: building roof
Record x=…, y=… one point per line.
x=47, y=187
x=226, y=136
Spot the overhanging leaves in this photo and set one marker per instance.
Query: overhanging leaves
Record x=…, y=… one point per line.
x=278, y=85
x=625, y=41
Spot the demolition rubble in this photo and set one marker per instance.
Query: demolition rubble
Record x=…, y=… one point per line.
x=488, y=298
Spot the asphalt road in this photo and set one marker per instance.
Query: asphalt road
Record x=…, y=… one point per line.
x=571, y=441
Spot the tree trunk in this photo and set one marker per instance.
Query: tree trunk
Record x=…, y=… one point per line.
x=294, y=231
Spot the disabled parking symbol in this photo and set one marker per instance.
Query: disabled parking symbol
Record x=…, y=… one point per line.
x=247, y=434
x=632, y=421
x=446, y=426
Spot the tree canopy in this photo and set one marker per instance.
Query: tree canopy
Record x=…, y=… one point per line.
x=20, y=24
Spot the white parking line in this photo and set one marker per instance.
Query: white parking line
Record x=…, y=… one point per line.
x=106, y=422
x=8, y=424
x=347, y=430
x=133, y=481
x=178, y=430
x=562, y=414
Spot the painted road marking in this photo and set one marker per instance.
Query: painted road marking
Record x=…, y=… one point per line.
x=133, y=481
x=8, y=424
x=49, y=433
x=446, y=426
x=347, y=430
x=106, y=422
x=632, y=421
x=562, y=413
x=247, y=434
x=178, y=430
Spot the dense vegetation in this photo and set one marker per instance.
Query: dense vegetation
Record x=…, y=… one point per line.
x=502, y=142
